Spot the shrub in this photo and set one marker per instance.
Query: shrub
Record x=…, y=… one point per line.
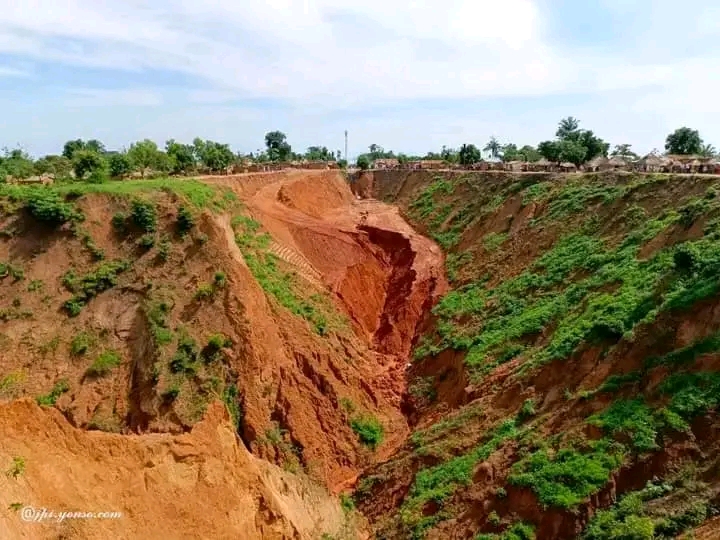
x=104, y=364
x=204, y=291
x=144, y=215
x=501, y=493
x=59, y=389
x=231, y=399
x=220, y=279
x=119, y=222
x=81, y=343
x=185, y=220
x=171, y=393
x=90, y=285
x=146, y=241
x=164, y=250
x=17, y=468
x=369, y=430
x=48, y=207
x=527, y=410
x=211, y=351
x=347, y=503
x=186, y=355
x=494, y=519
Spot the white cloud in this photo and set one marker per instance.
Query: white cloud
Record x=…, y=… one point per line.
x=12, y=72
x=332, y=56
x=92, y=97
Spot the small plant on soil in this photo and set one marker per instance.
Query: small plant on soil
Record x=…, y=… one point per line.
x=104, y=364
x=48, y=400
x=17, y=468
x=144, y=215
x=81, y=343
x=185, y=220
x=368, y=429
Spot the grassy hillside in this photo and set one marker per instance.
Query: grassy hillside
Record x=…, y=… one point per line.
x=577, y=354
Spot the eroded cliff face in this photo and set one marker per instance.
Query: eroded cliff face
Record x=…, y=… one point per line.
x=134, y=310
x=564, y=387
x=201, y=484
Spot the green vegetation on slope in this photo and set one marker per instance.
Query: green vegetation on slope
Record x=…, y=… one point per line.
x=281, y=285
x=587, y=289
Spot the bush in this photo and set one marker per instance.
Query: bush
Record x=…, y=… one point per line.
x=369, y=430
x=104, y=364
x=146, y=241
x=144, y=215
x=185, y=220
x=48, y=207
x=220, y=279
x=185, y=357
x=119, y=222
x=164, y=250
x=204, y=291
x=215, y=344
x=90, y=285
x=81, y=343
x=527, y=410
x=171, y=393
x=59, y=389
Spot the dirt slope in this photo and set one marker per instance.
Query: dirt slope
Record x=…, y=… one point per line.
x=133, y=307
x=566, y=386
x=202, y=484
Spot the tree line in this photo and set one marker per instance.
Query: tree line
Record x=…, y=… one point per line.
x=571, y=144
x=90, y=160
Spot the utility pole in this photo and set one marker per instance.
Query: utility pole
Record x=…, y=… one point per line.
x=346, y=156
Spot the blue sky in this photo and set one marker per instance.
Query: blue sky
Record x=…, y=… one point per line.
x=408, y=75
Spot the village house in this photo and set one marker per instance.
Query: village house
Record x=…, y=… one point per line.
x=386, y=163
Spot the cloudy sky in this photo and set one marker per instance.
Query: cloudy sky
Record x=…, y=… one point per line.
x=408, y=75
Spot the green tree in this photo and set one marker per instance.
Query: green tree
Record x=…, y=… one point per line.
x=59, y=166
x=624, y=151
x=493, y=147
x=277, y=146
x=17, y=163
x=87, y=162
x=708, y=150
x=594, y=146
x=529, y=153
x=143, y=155
x=550, y=150
x=213, y=155
x=119, y=164
x=572, y=151
x=181, y=156
x=568, y=128
x=363, y=162
x=510, y=152
x=70, y=147
x=469, y=154
x=684, y=141
x=319, y=153
x=73, y=146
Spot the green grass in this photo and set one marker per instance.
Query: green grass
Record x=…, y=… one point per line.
x=588, y=290
x=86, y=287
x=517, y=531
x=104, y=364
x=281, y=285
x=368, y=429
x=567, y=477
x=231, y=398
x=81, y=343
x=48, y=400
x=440, y=482
x=641, y=515
x=493, y=241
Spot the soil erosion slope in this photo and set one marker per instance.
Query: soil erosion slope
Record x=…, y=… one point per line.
x=134, y=308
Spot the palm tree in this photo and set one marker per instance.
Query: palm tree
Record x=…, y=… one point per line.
x=567, y=127
x=708, y=150
x=493, y=147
